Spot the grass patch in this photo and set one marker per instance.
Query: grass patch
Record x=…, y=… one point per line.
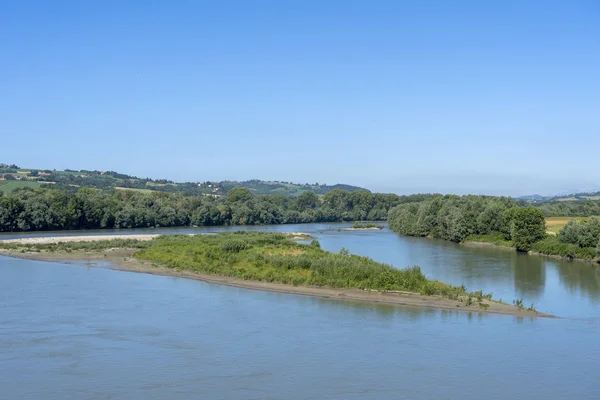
x=273, y=257
x=495, y=238
x=9, y=186
x=366, y=225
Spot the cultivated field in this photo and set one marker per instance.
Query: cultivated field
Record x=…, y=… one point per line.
x=555, y=224
x=9, y=186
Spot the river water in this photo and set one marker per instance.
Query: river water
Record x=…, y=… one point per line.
x=69, y=331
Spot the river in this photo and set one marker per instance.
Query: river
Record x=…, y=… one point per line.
x=69, y=331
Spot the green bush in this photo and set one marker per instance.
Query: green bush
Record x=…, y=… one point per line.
x=552, y=246
x=496, y=238
x=583, y=234
x=366, y=225
x=234, y=246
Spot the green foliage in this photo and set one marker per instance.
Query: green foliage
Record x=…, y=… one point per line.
x=527, y=226
x=86, y=208
x=366, y=225
x=315, y=243
x=9, y=177
x=579, y=208
x=551, y=245
x=519, y=303
x=307, y=201
x=273, y=257
x=598, y=249
x=238, y=195
x=584, y=233
x=450, y=217
x=496, y=238
x=233, y=246
x=12, y=185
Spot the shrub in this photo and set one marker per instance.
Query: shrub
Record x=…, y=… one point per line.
x=366, y=225
x=234, y=246
x=584, y=233
x=552, y=246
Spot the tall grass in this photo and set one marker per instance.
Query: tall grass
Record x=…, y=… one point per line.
x=272, y=257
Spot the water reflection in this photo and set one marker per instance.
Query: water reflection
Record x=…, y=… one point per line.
x=580, y=278
x=529, y=274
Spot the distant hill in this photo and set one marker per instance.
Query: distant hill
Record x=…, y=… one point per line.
x=532, y=198
x=563, y=197
x=578, y=196
x=12, y=177
x=287, y=189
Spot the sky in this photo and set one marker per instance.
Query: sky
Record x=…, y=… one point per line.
x=484, y=97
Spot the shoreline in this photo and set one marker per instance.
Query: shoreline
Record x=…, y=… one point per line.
x=99, y=238
x=123, y=260
x=593, y=261
x=362, y=229
x=88, y=238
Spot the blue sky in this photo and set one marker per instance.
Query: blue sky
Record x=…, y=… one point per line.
x=397, y=96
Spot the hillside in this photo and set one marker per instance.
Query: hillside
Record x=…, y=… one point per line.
x=13, y=177
x=583, y=196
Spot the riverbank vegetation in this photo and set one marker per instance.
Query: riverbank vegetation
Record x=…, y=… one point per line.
x=273, y=257
x=496, y=220
x=49, y=209
x=366, y=225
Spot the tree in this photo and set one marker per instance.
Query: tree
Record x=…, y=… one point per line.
x=598, y=248
x=527, y=227
x=238, y=194
x=9, y=177
x=307, y=201
x=34, y=172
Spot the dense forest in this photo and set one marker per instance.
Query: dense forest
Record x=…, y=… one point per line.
x=88, y=208
x=498, y=220
x=455, y=218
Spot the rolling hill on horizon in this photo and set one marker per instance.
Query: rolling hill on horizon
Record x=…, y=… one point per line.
x=13, y=177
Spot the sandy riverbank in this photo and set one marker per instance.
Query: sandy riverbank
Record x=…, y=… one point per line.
x=98, y=238
x=122, y=259
x=63, y=239
x=363, y=229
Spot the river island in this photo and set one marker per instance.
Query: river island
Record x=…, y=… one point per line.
x=266, y=261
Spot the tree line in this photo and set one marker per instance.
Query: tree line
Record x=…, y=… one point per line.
x=455, y=218
x=583, y=234
x=88, y=208
x=575, y=208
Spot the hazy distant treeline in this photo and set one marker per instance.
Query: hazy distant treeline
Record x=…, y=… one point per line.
x=578, y=208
